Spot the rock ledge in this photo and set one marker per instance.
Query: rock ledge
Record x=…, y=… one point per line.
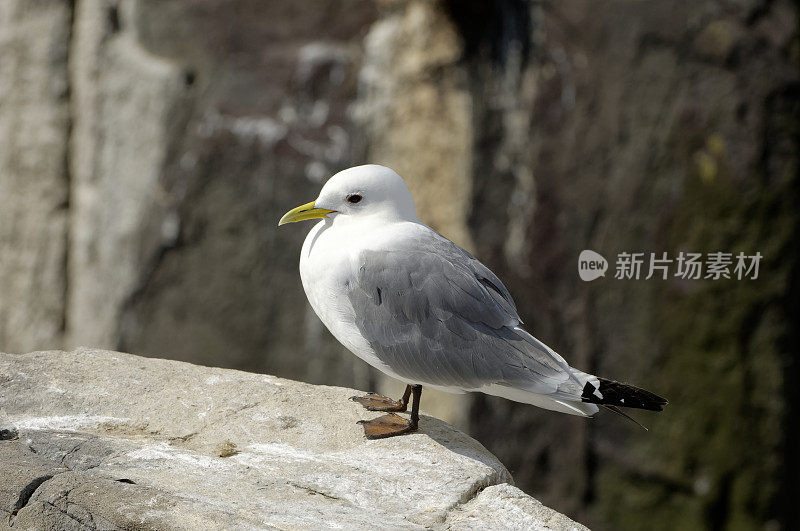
x=93, y=439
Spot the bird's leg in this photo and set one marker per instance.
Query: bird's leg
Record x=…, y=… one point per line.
x=414, y=422
x=393, y=424
x=376, y=402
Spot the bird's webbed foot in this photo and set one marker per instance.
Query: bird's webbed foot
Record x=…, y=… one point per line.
x=387, y=426
x=391, y=424
x=376, y=402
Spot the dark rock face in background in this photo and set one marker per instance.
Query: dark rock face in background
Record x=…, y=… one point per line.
x=654, y=128
x=263, y=124
x=162, y=140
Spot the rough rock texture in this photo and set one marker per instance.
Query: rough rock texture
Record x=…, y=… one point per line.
x=34, y=123
x=95, y=439
x=121, y=214
x=501, y=506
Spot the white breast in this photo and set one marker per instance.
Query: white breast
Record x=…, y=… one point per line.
x=328, y=261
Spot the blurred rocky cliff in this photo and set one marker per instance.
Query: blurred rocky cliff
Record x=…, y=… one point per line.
x=148, y=148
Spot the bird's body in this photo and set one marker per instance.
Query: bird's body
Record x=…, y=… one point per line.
x=330, y=263
x=417, y=307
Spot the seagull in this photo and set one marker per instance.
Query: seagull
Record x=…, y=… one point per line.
x=421, y=309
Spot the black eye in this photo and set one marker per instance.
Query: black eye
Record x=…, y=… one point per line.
x=354, y=198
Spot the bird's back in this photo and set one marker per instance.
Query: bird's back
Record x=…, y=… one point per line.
x=439, y=317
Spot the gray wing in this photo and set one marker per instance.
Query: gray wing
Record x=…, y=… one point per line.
x=435, y=314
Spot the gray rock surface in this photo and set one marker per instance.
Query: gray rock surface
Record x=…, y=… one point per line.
x=34, y=121
x=97, y=440
x=125, y=116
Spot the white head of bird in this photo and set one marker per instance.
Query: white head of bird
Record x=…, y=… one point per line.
x=358, y=193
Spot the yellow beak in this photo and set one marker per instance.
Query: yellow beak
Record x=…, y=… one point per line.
x=304, y=212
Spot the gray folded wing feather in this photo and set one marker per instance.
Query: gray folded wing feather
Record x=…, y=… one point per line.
x=436, y=315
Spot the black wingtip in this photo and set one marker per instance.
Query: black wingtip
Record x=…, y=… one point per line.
x=611, y=393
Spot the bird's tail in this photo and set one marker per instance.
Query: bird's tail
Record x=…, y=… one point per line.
x=615, y=394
